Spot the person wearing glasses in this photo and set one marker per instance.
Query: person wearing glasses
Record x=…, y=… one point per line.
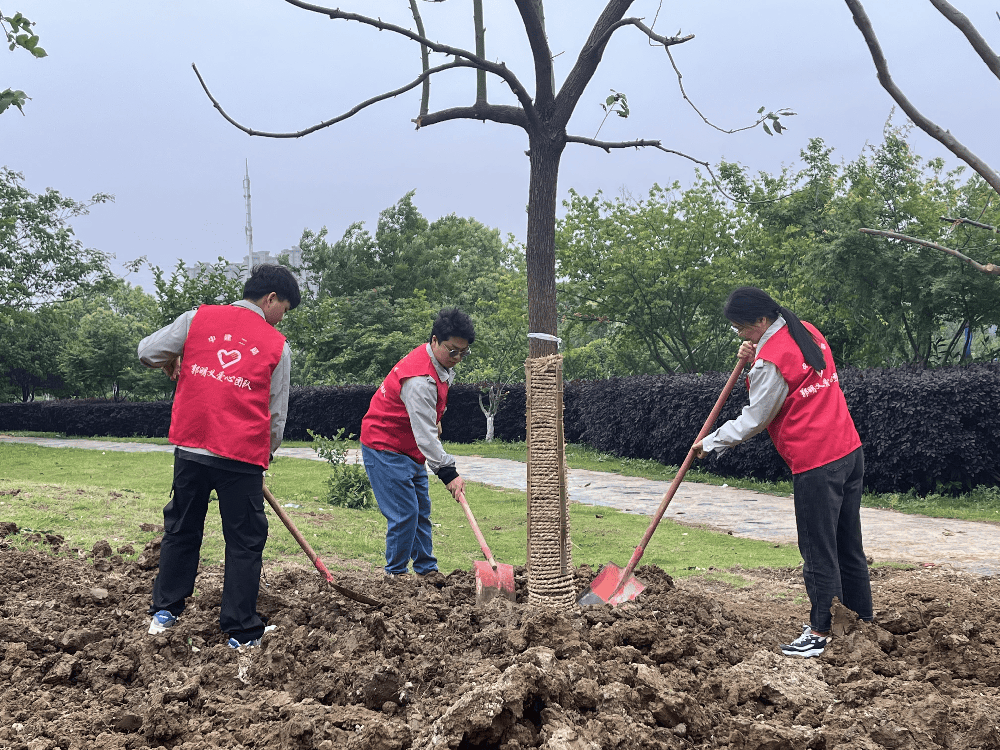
x=400, y=441
x=795, y=393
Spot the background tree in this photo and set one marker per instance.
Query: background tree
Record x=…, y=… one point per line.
x=376, y=296
x=501, y=318
x=185, y=289
x=40, y=259
x=660, y=268
x=30, y=342
x=97, y=352
x=879, y=302
x=100, y=350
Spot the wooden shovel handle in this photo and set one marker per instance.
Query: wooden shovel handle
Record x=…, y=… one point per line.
x=313, y=557
x=688, y=460
x=475, y=530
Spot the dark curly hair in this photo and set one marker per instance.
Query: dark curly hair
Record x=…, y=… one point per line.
x=453, y=322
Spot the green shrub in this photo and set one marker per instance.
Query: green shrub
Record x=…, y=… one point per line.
x=348, y=485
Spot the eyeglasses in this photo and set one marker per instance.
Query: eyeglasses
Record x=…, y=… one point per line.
x=739, y=329
x=457, y=353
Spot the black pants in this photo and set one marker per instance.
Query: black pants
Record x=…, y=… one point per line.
x=828, y=519
x=244, y=526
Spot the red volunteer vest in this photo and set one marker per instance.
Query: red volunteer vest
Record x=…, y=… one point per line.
x=814, y=426
x=222, y=402
x=386, y=426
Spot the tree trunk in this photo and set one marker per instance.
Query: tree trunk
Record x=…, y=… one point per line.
x=550, y=578
x=541, y=248
x=489, y=428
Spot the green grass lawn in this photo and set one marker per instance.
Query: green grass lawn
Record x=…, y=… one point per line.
x=87, y=495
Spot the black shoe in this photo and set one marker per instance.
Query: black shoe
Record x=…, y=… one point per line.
x=806, y=645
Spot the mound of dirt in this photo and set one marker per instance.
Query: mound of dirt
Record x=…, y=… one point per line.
x=693, y=664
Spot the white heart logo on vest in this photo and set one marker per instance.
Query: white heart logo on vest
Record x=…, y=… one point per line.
x=229, y=358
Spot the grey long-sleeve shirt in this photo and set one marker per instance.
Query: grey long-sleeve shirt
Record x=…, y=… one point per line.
x=160, y=347
x=768, y=391
x=419, y=395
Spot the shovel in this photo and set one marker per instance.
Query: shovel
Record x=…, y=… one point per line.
x=492, y=579
x=613, y=585
x=313, y=557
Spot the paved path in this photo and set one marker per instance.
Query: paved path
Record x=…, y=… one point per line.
x=967, y=545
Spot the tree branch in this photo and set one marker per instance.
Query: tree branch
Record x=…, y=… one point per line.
x=498, y=69
x=480, y=25
x=425, y=63
x=540, y=52
x=929, y=127
x=680, y=85
x=979, y=44
x=666, y=41
x=989, y=268
x=608, y=145
x=970, y=222
x=350, y=113
x=501, y=113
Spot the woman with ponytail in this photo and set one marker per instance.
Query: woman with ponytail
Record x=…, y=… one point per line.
x=795, y=394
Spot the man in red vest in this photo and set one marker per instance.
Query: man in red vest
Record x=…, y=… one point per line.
x=400, y=442
x=232, y=371
x=795, y=393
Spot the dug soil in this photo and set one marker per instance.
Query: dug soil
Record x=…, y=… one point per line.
x=694, y=663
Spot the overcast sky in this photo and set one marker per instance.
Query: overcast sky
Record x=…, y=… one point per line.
x=116, y=108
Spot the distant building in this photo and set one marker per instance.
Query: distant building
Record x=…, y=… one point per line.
x=292, y=256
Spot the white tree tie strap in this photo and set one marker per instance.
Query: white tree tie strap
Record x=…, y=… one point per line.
x=545, y=337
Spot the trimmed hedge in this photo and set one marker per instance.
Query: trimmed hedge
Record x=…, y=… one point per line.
x=89, y=417
x=925, y=430
x=921, y=429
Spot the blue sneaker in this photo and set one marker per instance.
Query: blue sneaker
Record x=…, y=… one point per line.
x=162, y=621
x=233, y=643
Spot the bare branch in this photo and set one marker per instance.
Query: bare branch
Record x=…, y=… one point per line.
x=501, y=113
x=608, y=145
x=929, y=127
x=478, y=22
x=498, y=69
x=989, y=268
x=979, y=44
x=425, y=62
x=666, y=41
x=970, y=222
x=534, y=26
x=350, y=113
x=680, y=85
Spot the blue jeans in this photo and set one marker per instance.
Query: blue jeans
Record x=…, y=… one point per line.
x=828, y=518
x=400, y=486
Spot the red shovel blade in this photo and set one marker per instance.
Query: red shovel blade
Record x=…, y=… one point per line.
x=493, y=583
x=602, y=588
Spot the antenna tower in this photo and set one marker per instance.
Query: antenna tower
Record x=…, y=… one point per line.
x=249, y=227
